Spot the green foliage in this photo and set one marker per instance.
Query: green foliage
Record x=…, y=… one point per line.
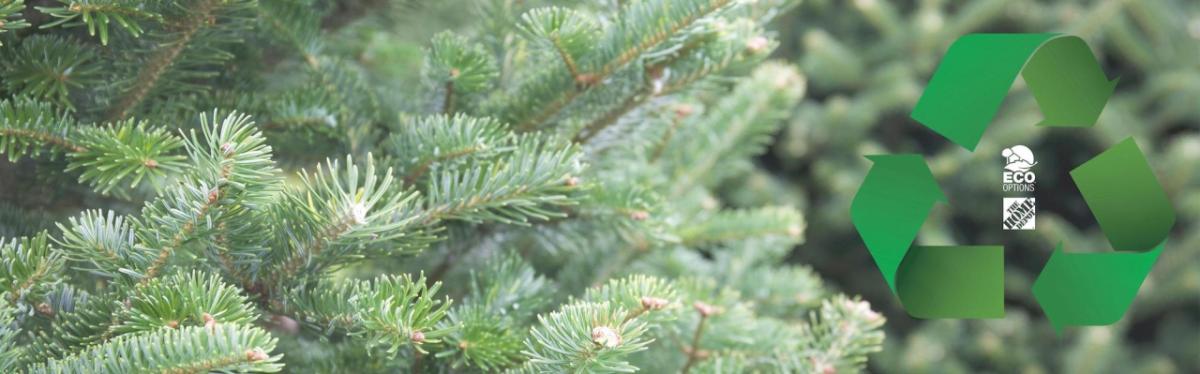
x=124, y=154
x=50, y=67
x=10, y=16
x=9, y=351
x=582, y=337
x=390, y=312
x=29, y=125
x=189, y=299
x=457, y=67
x=30, y=267
x=519, y=185
x=188, y=349
x=341, y=213
x=99, y=15
x=253, y=184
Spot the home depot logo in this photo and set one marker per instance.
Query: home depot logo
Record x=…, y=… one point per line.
x=1020, y=213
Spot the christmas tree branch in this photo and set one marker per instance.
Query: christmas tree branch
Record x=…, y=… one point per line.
x=198, y=16
x=625, y=56
x=196, y=349
x=43, y=137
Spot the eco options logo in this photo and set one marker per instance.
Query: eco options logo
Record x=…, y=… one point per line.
x=967, y=281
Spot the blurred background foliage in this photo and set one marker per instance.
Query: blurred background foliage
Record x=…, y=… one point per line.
x=867, y=62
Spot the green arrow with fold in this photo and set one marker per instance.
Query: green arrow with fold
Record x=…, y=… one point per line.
x=931, y=281
x=1134, y=213
x=975, y=75
x=1119, y=186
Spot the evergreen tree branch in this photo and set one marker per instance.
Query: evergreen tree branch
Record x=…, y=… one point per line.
x=678, y=17
x=389, y=312
x=341, y=213
x=185, y=231
x=49, y=67
x=198, y=16
x=512, y=189
x=101, y=239
x=738, y=126
x=125, y=152
x=29, y=264
x=26, y=123
x=108, y=155
x=43, y=137
x=458, y=68
x=97, y=15
x=193, y=349
x=233, y=166
x=740, y=225
x=441, y=141
x=584, y=337
x=11, y=352
x=10, y=16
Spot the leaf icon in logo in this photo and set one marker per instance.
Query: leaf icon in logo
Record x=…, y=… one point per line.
x=1019, y=158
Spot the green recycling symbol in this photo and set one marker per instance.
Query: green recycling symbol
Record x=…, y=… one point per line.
x=967, y=281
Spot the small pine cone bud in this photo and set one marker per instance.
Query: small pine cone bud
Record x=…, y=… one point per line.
x=150, y=163
x=654, y=303
x=757, y=44
x=697, y=353
x=820, y=366
x=684, y=110
x=463, y=345
x=639, y=215
x=256, y=354
x=358, y=214
x=705, y=310
x=209, y=322
x=286, y=324
x=655, y=72
x=1, y=23
x=45, y=309
x=227, y=149
x=572, y=181
x=417, y=337
x=454, y=72
x=795, y=231
x=605, y=337
x=75, y=7
x=586, y=79
x=172, y=324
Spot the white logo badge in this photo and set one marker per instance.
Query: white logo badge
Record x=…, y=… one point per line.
x=1018, y=158
x=1018, y=165
x=1020, y=213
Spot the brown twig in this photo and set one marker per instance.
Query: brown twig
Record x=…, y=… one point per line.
x=448, y=100
x=47, y=138
x=693, y=352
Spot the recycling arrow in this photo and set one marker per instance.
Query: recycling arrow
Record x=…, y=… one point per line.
x=1133, y=211
x=1119, y=186
x=931, y=281
x=977, y=71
